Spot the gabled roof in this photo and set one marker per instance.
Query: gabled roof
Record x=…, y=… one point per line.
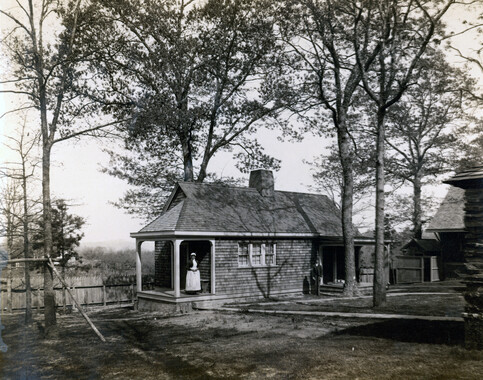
x=427, y=245
x=450, y=214
x=226, y=209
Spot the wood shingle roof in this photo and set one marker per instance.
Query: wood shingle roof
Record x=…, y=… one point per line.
x=450, y=214
x=227, y=209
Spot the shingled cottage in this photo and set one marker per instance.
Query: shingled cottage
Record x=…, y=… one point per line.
x=249, y=242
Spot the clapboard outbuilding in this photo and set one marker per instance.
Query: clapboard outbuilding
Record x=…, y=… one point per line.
x=249, y=242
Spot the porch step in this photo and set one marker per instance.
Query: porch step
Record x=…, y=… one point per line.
x=338, y=289
x=331, y=289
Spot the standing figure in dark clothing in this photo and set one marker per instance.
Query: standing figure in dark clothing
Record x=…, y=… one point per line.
x=317, y=275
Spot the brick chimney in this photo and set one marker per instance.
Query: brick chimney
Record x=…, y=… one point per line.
x=262, y=180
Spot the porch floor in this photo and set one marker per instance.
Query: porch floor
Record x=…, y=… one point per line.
x=167, y=294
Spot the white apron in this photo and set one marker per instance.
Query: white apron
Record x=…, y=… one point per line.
x=193, y=283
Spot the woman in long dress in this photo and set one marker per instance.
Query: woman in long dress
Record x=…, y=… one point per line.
x=193, y=283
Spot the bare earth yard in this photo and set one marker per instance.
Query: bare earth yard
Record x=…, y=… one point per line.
x=242, y=345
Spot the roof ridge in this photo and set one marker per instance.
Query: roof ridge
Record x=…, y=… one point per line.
x=245, y=188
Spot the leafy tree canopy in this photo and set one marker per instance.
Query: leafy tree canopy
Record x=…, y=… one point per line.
x=189, y=77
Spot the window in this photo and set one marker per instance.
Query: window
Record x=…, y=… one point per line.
x=270, y=254
x=243, y=255
x=256, y=254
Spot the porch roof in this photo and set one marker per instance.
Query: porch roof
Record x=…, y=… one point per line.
x=209, y=208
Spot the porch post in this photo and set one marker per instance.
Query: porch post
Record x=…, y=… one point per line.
x=139, y=277
x=176, y=244
x=213, y=266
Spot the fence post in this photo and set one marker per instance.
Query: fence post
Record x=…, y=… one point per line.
x=104, y=303
x=38, y=298
x=64, y=300
x=86, y=297
x=74, y=294
x=132, y=293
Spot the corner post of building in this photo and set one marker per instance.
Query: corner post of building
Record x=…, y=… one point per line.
x=387, y=262
x=139, y=276
x=213, y=266
x=176, y=250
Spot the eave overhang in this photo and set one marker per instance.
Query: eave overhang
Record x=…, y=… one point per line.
x=203, y=234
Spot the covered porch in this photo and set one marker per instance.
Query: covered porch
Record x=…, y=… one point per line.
x=171, y=260
x=332, y=258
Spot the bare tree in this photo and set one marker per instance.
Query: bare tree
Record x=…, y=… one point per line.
x=22, y=173
x=40, y=43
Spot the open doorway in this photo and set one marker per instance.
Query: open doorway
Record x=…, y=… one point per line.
x=333, y=268
x=333, y=263
x=203, y=258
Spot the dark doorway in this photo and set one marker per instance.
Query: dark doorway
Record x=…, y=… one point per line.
x=333, y=267
x=203, y=257
x=427, y=269
x=327, y=265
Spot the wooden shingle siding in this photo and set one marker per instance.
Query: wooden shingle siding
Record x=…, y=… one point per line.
x=293, y=258
x=162, y=266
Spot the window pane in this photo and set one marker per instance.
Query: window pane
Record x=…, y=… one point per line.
x=269, y=254
x=256, y=254
x=243, y=255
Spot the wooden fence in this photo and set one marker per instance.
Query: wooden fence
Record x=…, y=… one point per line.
x=88, y=290
x=411, y=269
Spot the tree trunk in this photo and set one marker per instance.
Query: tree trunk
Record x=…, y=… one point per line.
x=417, y=212
x=379, y=294
x=346, y=157
x=187, y=162
x=26, y=253
x=49, y=294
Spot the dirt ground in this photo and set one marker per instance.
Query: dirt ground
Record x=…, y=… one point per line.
x=241, y=345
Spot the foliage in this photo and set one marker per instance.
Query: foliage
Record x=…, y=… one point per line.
x=322, y=73
x=119, y=259
x=11, y=218
x=188, y=75
x=66, y=233
x=425, y=128
x=328, y=179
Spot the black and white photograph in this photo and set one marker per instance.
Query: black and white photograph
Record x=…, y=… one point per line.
x=241, y=189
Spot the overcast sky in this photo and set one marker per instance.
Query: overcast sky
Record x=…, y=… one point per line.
x=76, y=176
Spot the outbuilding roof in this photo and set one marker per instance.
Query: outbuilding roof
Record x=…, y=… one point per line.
x=426, y=245
x=208, y=208
x=450, y=214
